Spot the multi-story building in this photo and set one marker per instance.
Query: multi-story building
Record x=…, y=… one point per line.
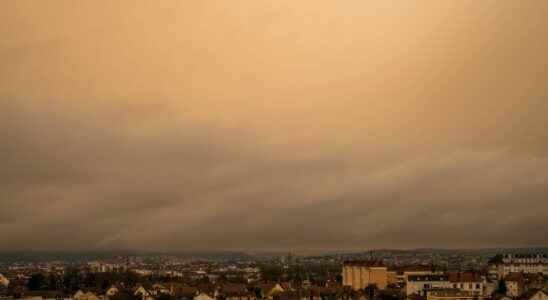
x=403, y=272
x=422, y=284
x=467, y=282
x=504, y=264
x=361, y=274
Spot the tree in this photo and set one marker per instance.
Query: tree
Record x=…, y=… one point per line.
x=90, y=279
x=502, y=287
x=164, y=297
x=36, y=282
x=53, y=282
x=125, y=296
x=271, y=273
x=71, y=279
x=371, y=290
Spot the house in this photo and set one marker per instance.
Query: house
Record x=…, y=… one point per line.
x=392, y=278
x=286, y=286
x=534, y=281
x=514, y=284
x=112, y=291
x=467, y=281
x=80, y=295
x=421, y=284
x=173, y=286
x=184, y=292
x=209, y=289
x=236, y=292
x=403, y=272
x=4, y=281
x=158, y=289
x=144, y=293
x=203, y=296
x=490, y=286
x=269, y=290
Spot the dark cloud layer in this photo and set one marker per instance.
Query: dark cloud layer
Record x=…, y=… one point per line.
x=251, y=124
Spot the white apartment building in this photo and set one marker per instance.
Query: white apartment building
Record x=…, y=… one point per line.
x=504, y=264
x=421, y=284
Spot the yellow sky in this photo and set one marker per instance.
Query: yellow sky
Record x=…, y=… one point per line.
x=289, y=105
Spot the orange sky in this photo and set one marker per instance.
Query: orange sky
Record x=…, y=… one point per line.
x=273, y=124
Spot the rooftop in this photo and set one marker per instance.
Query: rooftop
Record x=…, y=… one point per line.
x=428, y=278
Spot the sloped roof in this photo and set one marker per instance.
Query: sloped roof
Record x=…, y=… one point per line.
x=514, y=277
x=189, y=291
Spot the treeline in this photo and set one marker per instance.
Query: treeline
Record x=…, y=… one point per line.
x=73, y=280
x=316, y=274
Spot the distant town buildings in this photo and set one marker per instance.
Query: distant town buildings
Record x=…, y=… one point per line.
x=404, y=276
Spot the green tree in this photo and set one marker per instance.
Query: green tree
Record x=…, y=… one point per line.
x=164, y=297
x=371, y=291
x=36, y=282
x=502, y=287
x=125, y=296
x=71, y=279
x=53, y=282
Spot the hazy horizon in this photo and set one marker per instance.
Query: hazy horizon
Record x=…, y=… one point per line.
x=252, y=124
x=259, y=252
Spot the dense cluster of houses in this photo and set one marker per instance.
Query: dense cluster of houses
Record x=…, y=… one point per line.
x=509, y=277
x=180, y=291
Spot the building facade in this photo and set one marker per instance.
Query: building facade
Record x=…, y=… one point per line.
x=361, y=274
x=422, y=284
x=514, y=284
x=504, y=264
x=467, y=282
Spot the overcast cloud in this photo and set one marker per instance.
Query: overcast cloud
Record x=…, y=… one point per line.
x=174, y=125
